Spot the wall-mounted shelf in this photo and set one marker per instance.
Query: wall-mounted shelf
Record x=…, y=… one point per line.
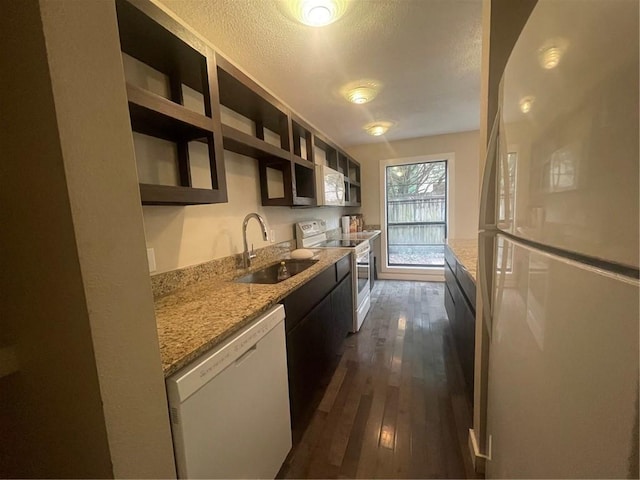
x=353, y=190
x=208, y=101
x=304, y=175
x=266, y=118
x=156, y=42
x=156, y=116
x=302, y=139
x=237, y=141
x=328, y=153
x=325, y=152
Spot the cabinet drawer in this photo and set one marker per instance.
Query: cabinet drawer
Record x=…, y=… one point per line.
x=302, y=301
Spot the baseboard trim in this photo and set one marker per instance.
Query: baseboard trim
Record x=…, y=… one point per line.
x=478, y=459
x=424, y=277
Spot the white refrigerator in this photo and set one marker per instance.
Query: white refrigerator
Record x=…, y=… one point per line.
x=559, y=230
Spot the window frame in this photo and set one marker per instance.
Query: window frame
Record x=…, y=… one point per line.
x=427, y=273
x=443, y=222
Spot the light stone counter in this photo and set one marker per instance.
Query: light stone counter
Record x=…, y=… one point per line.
x=196, y=318
x=364, y=235
x=466, y=251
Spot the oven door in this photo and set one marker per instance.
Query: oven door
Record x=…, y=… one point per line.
x=361, y=281
x=363, y=269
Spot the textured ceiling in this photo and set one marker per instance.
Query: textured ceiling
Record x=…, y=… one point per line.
x=426, y=54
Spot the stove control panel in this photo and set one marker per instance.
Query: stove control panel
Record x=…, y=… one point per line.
x=309, y=228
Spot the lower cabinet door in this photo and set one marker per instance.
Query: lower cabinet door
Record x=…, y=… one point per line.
x=464, y=335
x=449, y=303
x=342, y=305
x=308, y=358
x=463, y=323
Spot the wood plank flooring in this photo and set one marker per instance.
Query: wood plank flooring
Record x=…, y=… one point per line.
x=396, y=405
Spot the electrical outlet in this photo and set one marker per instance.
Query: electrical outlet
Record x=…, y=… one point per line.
x=272, y=236
x=151, y=259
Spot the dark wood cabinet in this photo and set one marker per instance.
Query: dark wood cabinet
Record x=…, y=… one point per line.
x=317, y=321
x=308, y=358
x=465, y=321
x=343, y=163
x=353, y=183
x=300, y=302
x=281, y=142
x=161, y=44
x=304, y=176
x=342, y=310
x=459, y=302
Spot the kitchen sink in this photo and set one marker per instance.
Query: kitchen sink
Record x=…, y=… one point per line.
x=270, y=274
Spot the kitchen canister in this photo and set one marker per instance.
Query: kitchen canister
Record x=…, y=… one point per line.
x=346, y=224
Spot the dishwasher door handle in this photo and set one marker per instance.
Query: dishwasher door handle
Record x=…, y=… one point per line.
x=245, y=355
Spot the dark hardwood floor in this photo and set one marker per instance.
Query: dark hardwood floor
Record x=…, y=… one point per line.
x=396, y=405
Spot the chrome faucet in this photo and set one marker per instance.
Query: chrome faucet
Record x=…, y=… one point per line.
x=246, y=255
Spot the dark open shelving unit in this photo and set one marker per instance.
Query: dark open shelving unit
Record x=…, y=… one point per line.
x=343, y=163
x=156, y=116
x=153, y=38
x=157, y=40
x=353, y=190
x=245, y=97
x=304, y=175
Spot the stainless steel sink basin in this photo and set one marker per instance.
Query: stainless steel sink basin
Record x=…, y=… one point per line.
x=270, y=274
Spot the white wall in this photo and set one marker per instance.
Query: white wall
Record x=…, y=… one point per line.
x=85, y=397
x=184, y=236
x=464, y=178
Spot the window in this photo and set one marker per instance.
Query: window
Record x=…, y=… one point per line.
x=416, y=213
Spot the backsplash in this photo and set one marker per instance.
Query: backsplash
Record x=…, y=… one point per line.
x=167, y=282
x=195, y=234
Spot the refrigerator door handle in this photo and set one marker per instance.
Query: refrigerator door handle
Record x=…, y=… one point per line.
x=484, y=281
x=504, y=179
x=489, y=167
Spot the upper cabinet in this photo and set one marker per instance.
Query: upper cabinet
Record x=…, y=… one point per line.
x=187, y=104
x=172, y=92
x=329, y=154
x=255, y=124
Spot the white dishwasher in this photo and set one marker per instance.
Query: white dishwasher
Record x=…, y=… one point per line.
x=230, y=408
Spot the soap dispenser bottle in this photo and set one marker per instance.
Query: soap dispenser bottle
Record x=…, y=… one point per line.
x=283, y=273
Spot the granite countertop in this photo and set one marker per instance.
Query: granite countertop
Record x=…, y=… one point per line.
x=466, y=251
x=196, y=318
x=364, y=235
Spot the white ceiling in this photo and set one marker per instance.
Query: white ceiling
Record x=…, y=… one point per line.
x=426, y=54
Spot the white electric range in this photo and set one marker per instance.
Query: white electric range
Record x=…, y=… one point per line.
x=313, y=234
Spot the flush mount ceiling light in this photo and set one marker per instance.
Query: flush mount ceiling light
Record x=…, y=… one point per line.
x=526, y=103
x=550, y=54
x=318, y=13
x=360, y=91
x=377, y=128
x=361, y=95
